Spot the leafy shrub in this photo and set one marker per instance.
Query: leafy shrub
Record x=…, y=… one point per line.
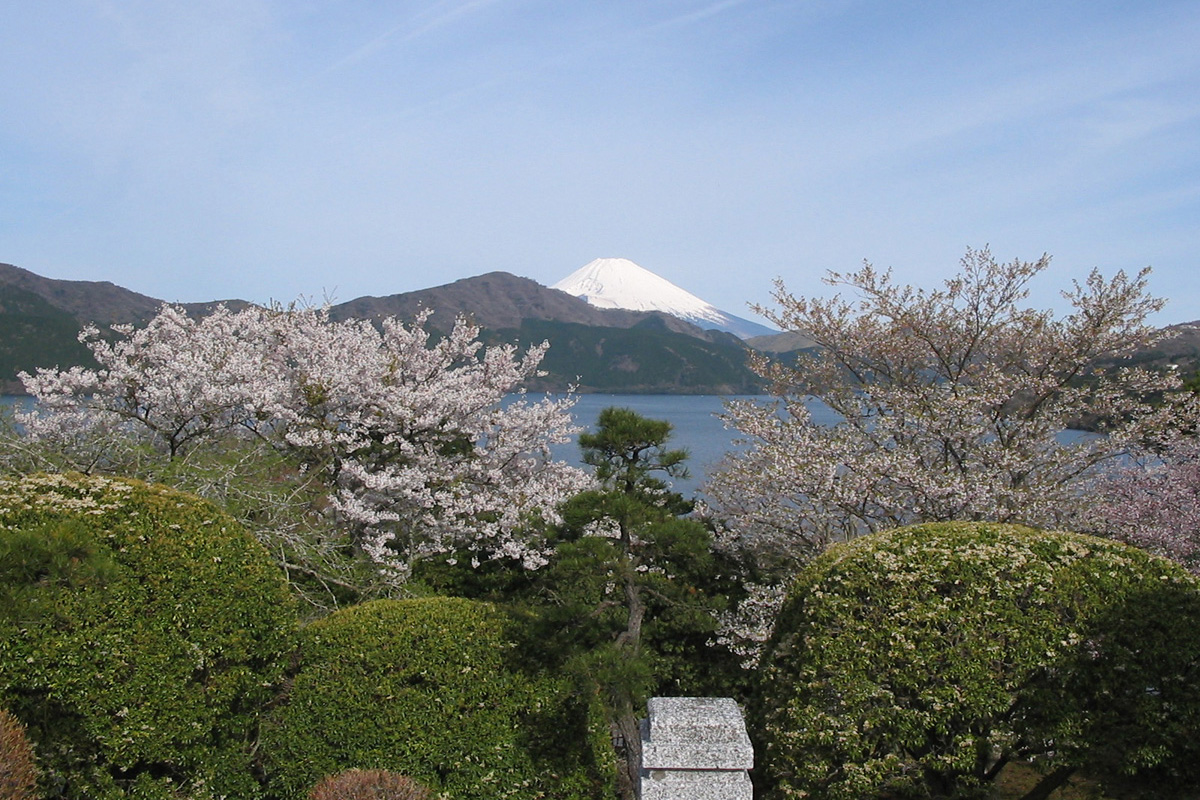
x=427, y=688
x=368, y=784
x=919, y=661
x=18, y=776
x=140, y=631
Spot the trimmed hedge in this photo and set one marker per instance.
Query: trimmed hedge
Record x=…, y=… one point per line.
x=368, y=784
x=914, y=662
x=428, y=688
x=140, y=631
x=18, y=774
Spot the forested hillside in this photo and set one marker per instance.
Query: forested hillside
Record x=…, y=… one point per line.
x=647, y=358
x=607, y=350
x=35, y=333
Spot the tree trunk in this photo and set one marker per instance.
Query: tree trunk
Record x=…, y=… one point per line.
x=631, y=637
x=630, y=762
x=1049, y=783
x=629, y=645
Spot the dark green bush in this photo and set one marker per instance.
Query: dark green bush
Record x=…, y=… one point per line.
x=141, y=630
x=428, y=688
x=917, y=662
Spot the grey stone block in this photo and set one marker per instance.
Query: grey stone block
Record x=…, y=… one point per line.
x=696, y=785
x=696, y=748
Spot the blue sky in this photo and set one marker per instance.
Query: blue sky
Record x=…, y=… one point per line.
x=272, y=149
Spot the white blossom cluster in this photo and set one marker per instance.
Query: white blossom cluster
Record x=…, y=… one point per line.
x=421, y=450
x=952, y=405
x=746, y=628
x=61, y=492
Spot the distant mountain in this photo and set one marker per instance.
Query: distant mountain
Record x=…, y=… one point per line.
x=598, y=349
x=786, y=342
x=34, y=333
x=93, y=301
x=499, y=300
x=648, y=358
x=595, y=349
x=40, y=319
x=101, y=302
x=620, y=283
x=1178, y=350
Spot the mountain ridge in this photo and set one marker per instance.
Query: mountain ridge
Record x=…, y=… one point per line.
x=655, y=353
x=499, y=300
x=40, y=318
x=100, y=302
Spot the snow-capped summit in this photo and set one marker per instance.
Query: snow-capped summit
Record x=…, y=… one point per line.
x=620, y=283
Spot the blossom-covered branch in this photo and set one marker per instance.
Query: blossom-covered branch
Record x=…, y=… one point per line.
x=420, y=444
x=951, y=405
x=1155, y=505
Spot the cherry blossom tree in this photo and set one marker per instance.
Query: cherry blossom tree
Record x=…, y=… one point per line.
x=174, y=383
x=951, y=402
x=418, y=442
x=426, y=453
x=1155, y=504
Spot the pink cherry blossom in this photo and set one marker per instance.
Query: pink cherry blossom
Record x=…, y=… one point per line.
x=953, y=405
x=426, y=444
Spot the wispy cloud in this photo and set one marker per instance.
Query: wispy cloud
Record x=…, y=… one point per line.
x=696, y=15
x=437, y=16
x=250, y=144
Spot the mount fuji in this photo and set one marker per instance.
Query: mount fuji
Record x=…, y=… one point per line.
x=620, y=283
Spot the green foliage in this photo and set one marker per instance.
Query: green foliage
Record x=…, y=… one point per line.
x=43, y=565
x=140, y=629
x=282, y=503
x=628, y=595
x=918, y=661
x=583, y=606
x=574, y=609
x=631, y=572
x=286, y=508
x=1125, y=703
x=626, y=448
x=429, y=688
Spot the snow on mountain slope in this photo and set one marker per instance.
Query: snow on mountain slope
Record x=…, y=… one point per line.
x=620, y=283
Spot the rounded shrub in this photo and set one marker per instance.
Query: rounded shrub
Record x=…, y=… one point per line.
x=141, y=630
x=428, y=688
x=18, y=775
x=918, y=662
x=368, y=784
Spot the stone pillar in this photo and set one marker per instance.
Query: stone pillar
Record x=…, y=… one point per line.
x=695, y=748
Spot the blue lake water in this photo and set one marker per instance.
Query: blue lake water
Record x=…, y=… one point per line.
x=694, y=417
x=696, y=427
x=9, y=401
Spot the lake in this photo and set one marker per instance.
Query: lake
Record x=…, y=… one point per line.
x=694, y=417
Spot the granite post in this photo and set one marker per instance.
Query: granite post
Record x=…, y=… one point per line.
x=695, y=748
